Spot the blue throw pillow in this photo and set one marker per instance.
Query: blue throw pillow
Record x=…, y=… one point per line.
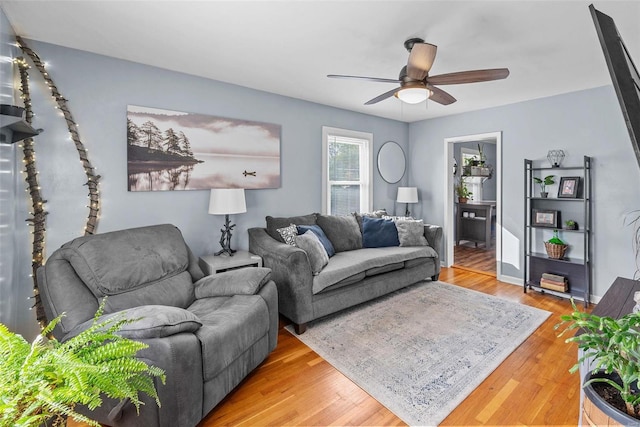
x=378, y=233
x=315, y=229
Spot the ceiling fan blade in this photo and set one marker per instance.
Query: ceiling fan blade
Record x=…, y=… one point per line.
x=383, y=96
x=469, y=76
x=420, y=60
x=440, y=96
x=371, y=79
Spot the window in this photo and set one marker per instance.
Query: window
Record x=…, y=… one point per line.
x=346, y=171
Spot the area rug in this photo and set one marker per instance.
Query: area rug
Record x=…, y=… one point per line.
x=422, y=350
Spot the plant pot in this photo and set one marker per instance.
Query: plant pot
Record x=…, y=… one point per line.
x=571, y=227
x=462, y=200
x=544, y=194
x=596, y=411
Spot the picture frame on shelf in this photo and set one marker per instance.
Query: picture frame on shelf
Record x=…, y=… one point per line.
x=545, y=218
x=569, y=187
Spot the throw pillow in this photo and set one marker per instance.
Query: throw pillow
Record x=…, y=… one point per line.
x=378, y=233
x=342, y=231
x=380, y=213
x=288, y=234
x=315, y=229
x=273, y=223
x=318, y=257
x=411, y=233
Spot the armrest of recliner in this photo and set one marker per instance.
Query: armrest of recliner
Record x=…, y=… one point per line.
x=244, y=281
x=148, y=321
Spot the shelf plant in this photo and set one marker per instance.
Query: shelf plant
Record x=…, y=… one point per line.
x=543, y=182
x=462, y=191
x=45, y=380
x=614, y=347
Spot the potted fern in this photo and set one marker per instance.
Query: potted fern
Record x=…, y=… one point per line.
x=43, y=382
x=462, y=191
x=613, y=348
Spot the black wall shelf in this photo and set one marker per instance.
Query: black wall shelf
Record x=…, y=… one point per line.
x=576, y=268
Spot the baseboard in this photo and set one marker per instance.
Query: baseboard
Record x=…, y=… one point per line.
x=511, y=280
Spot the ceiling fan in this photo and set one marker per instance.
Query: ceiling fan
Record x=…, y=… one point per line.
x=415, y=83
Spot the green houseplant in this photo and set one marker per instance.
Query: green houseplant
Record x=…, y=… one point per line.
x=543, y=182
x=462, y=191
x=44, y=381
x=614, y=347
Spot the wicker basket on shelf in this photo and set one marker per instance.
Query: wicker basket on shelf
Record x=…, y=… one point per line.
x=555, y=250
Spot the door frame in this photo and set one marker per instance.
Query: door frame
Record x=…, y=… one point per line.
x=449, y=219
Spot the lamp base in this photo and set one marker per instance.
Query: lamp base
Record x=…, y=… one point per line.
x=225, y=239
x=406, y=210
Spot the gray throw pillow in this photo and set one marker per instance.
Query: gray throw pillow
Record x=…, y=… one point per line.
x=316, y=253
x=288, y=234
x=343, y=231
x=273, y=223
x=411, y=233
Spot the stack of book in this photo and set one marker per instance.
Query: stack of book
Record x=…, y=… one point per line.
x=554, y=282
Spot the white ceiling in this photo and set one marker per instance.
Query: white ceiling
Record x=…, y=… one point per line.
x=288, y=47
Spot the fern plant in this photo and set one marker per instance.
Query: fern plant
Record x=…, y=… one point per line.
x=46, y=379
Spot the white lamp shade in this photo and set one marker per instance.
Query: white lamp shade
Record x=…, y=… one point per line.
x=407, y=195
x=226, y=201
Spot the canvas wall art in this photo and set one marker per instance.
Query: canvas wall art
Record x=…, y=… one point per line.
x=172, y=150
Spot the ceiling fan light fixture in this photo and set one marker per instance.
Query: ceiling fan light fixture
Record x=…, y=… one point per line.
x=413, y=95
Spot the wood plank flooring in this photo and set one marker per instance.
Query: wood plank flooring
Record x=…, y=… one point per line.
x=296, y=387
x=478, y=259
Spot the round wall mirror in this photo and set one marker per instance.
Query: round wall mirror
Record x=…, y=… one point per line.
x=391, y=162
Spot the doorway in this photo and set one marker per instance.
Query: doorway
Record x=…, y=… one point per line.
x=472, y=228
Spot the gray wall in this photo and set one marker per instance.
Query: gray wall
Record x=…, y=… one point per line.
x=582, y=123
x=98, y=89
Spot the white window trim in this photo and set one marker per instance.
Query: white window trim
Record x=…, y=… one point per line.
x=366, y=202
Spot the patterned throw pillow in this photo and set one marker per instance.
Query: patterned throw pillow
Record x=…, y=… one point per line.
x=289, y=234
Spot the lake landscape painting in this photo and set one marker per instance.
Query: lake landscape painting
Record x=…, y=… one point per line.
x=172, y=150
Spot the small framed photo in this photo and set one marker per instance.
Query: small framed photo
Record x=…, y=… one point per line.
x=545, y=218
x=569, y=187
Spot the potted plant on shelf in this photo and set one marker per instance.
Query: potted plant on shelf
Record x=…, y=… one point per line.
x=43, y=382
x=612, y=346
x=570, y=225
x=548, y=180
x=462, y=191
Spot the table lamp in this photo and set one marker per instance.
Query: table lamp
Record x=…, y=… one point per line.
x=407, y=195
x=226, y=201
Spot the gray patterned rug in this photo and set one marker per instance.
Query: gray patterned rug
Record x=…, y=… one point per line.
x=421, y=350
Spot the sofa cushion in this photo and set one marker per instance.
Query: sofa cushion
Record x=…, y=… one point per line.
x=379, y=233
x=411, y=233
x=328, y=247
x=243, y=281
x=120, y=261
x=342, y=231
x=316, y=253
x=273, y=223
x=350, y=263
x=384, y=269
x=230, y=326
x=410, y=263
x=149, y=321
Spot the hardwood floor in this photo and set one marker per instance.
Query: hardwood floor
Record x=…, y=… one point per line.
x=296, y=387
x=469, y=257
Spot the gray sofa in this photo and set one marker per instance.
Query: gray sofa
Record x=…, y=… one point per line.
x=355, y=274
x=207, y=333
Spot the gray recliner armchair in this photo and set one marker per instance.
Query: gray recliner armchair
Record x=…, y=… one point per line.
x=207, y=333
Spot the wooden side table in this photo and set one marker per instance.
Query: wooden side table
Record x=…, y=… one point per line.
x=212, y=264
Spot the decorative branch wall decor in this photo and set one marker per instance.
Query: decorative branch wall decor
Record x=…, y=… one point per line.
x=37, y=219
x=92, y=178
x=38, y=215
